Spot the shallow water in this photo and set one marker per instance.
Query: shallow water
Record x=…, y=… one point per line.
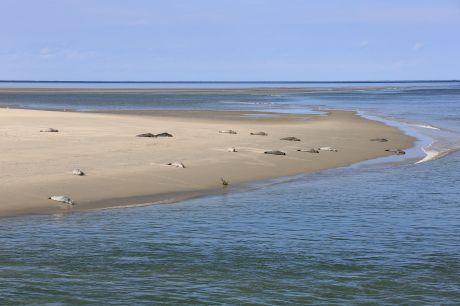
x=369, y=234
x=383, y=235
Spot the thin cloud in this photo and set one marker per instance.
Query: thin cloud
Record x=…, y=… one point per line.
x=418, y=46
x=67, y=54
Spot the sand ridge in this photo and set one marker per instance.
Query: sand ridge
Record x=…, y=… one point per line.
x=122, y=169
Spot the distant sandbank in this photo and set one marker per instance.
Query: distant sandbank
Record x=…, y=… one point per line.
x=249, y=90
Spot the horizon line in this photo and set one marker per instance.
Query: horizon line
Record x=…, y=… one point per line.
x=223, y=82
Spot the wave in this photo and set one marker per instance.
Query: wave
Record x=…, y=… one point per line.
x=434, y=142
x=426, y=126
x=430, y=155
x=429, y=145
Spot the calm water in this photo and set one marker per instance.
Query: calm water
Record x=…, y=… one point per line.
x=362, y=235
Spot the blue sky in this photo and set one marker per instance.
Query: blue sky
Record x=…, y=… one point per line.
x=229, y=40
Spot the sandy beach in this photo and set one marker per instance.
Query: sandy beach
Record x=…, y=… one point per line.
x=122, y=169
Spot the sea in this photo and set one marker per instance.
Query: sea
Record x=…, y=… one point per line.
x=382, y=232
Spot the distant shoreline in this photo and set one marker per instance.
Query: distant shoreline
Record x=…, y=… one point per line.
x=249, y=90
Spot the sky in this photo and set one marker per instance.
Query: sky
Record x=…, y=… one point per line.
x=225, y=40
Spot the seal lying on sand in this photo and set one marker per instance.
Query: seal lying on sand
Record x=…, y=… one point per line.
x=275, y=152
x=49, y=130
x=228, y=132
x=396, y=151
x=327, y=149
x=259, y=134
x=308, y=150
x=232, y=149
x=146, y=135
x=164, y=134
x=379, y=139
x=155, y=135
x=290, y=138
x=176, y=164
x=78, y=172
x=62, y=199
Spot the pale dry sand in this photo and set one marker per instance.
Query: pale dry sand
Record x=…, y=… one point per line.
x=124, y=170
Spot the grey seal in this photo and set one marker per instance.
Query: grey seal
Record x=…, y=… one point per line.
x=154, y=135
x=62, y=199
x=259, y=134
x=308, y=150
x=275, y=152
x=146, y=135
x=176, y=164
x=379, y=139
x=78, y=172
x=327, y=149
x=49, y=130
x=290, y=138
x=228, y=132
x=164, y=134
x=396, y=151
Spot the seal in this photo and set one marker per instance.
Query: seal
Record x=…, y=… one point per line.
x=146, y=135
x=228, y=132
x=49, y=130
x=327, y=149
x=275, y=152
x=259, y=134
x=379, y=139
x=176, y=164
x=164, y=134
x=155, y=135
x=308, y=150
x=78, y=172
x=232, y=149
x=396, y=151
x=290, y=138
x=62, y=199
